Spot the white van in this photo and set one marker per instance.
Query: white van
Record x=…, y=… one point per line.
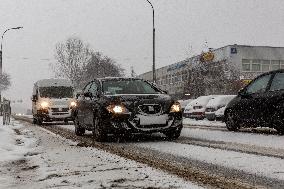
x=52, y=100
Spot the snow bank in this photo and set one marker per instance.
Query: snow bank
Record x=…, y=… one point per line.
x=220, y=101
x=13, y=146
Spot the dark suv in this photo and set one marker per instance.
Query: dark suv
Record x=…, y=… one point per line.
x=126, y=105
x=261, y=103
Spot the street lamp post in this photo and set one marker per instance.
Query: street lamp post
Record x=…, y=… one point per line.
x=154, y=66
x=1, y=50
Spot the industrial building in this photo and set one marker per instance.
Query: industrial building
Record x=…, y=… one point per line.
x=250, y=61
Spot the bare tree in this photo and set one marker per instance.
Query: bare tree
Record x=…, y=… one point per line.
x=72, y=57
x=101, y=66
x=80, y=64
x=213, y=78
x=5, y=81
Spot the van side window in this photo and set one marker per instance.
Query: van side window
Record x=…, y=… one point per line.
x=94, y=89
x=87, y=87
x=259, y=85
x=277, y=82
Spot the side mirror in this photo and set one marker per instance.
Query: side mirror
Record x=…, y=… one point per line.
x=34, y=98
x=78, y=94
x=88, y=94
x=242, y=92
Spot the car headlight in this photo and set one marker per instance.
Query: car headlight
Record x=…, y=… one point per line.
x=175, y=107
x=73, y=104
x=117, y=109
x=44, y=104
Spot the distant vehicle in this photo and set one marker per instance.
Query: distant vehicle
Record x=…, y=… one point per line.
x=220, y=114
x=215, y=104
x=114, y=106
x=188, y=108
x=260, y=103
x=52, y=100
x=196, y=108
x=184, y=103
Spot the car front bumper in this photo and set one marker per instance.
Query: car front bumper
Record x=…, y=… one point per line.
x=48, y=115
x=196, y=115
x=137, y=125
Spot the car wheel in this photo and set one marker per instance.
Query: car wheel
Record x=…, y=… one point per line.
x=211, y=119
x=66, y=121
x=174, y=134
x=231, y=123
x=39, y=121
x=278, y=125
x=98, y=132
x=79, y=131
x=34, y=120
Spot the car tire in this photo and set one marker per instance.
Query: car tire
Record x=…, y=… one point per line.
x=231, y=122
x=39, y=121
x=98, y=132
x=211, y=119
x=278, y=124
x=66, y=121
x=79, y=131
x=173, y=135
x=34, y=121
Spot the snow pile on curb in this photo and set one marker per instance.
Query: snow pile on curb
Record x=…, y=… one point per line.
x=204, y=122
x=13, y=146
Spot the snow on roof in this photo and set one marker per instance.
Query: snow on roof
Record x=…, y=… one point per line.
x=184, y=103
x=221, y=100
x=53, y=82
x=202, y=100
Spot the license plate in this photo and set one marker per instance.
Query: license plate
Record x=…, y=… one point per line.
x=153, y=120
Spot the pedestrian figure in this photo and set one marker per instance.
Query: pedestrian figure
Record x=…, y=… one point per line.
x=6, y=108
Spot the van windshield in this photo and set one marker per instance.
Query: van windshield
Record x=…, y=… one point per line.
x=56, y=92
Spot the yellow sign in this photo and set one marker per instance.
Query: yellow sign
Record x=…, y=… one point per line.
x=207, y=56
x=246, y=81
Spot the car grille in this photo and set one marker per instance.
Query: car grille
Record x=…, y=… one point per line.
x=150, y=109
x=59, y=110
x=60, y=103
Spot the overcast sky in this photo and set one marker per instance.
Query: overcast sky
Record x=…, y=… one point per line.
x=122, y=29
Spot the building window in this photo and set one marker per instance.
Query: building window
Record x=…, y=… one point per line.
x=255, y=66
x=246, y=64
x=282, y=64
x=265, y=66
x=275, y=64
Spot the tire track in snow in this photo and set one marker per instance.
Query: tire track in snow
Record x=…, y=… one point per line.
x=231, y=146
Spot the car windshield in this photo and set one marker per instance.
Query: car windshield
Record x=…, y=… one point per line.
x=56, y=92
x=113, y=87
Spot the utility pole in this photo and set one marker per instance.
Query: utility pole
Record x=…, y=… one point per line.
x=154, y=66
x=1, y=52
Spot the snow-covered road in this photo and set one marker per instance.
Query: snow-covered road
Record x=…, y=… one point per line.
x=255, y=159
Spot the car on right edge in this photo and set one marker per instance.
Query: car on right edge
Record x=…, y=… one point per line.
x=259, y=104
